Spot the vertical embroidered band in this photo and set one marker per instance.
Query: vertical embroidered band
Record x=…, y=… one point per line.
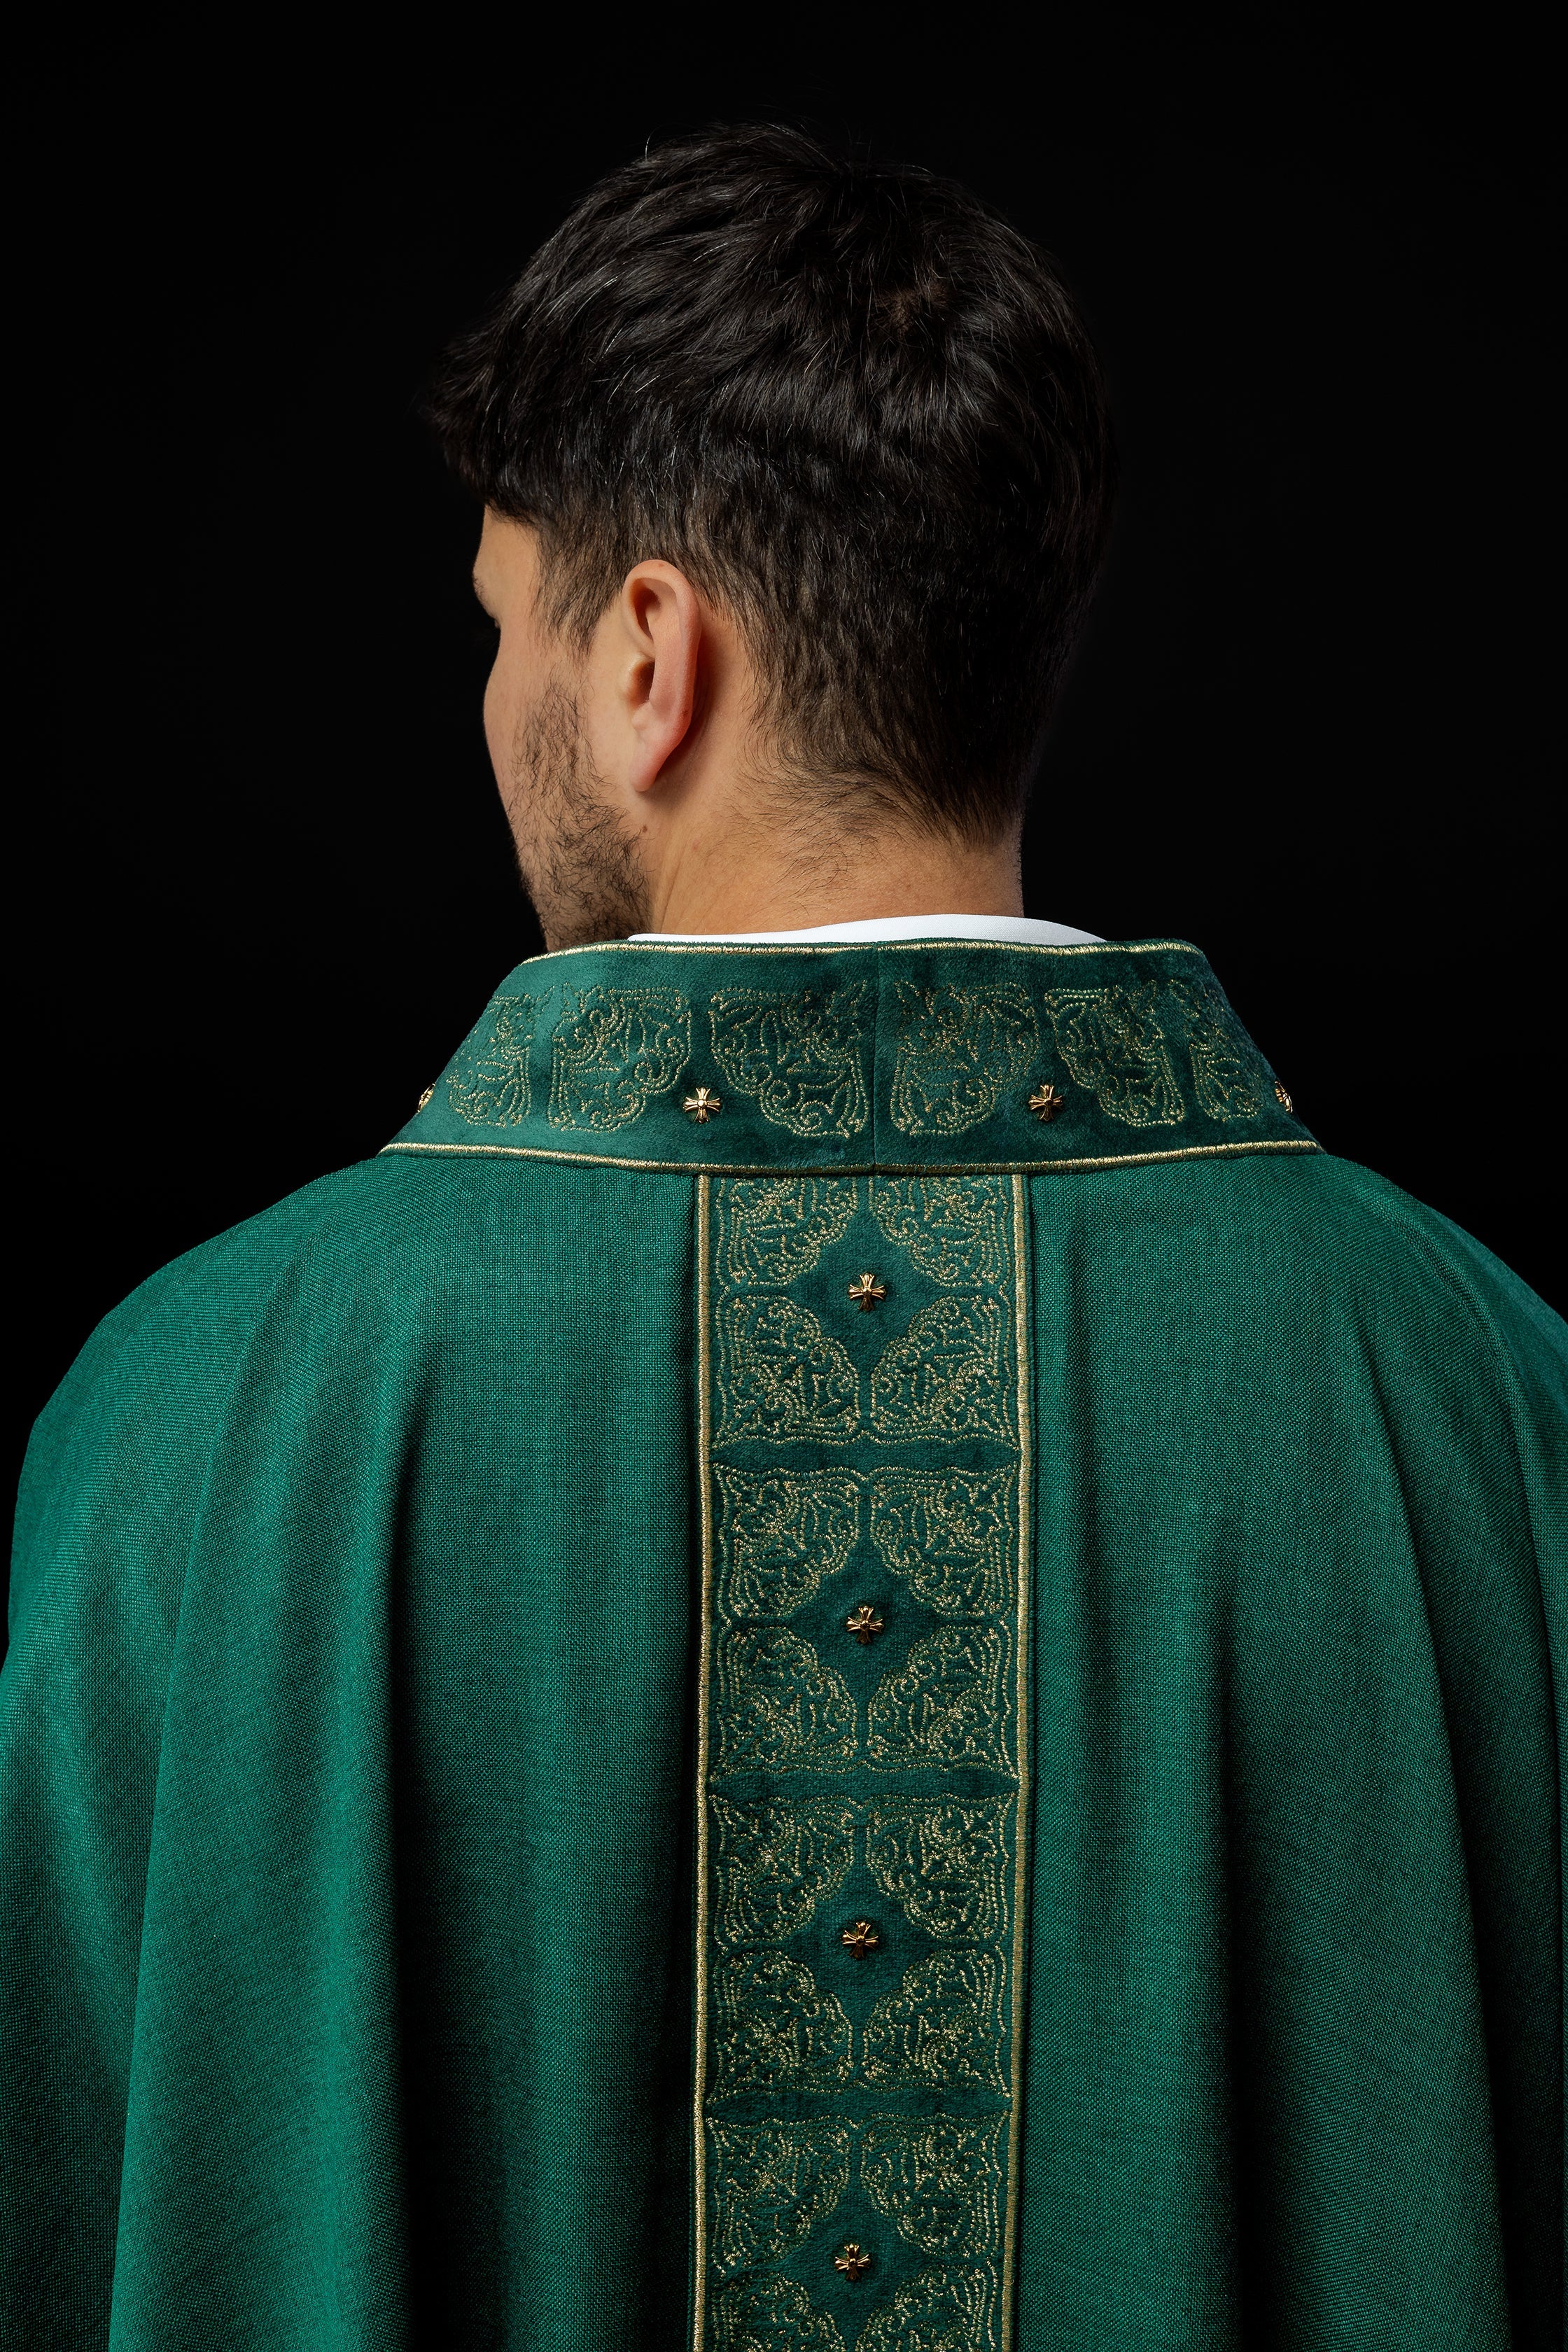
x=862, y=1759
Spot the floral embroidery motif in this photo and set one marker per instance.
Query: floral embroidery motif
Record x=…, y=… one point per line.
x=770, y=2312
x=777, y=2182
x=943, y=1378
x=941, y=2027
x=950, y=1534
x=783, y=1376
x=614, y=1050
x=779, y=1706
x=782, y=2032
x=1113, y=1045
x=940, y=2311
x=1230, y=1075
x=782, y=1537
x=959, y=1049
x=944, y=1860
x=936, y=2179
x=487, y=1083
x=947, y=1704
x=775, y=1229
x=953, y=1227
x=816, y=1879
x=777, y=1863
x=800, y=1057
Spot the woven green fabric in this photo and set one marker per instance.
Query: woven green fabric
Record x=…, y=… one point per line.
x=437, y=1771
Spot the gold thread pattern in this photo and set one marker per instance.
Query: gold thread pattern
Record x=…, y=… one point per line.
x=947, y=1704
x=766, y=2312
x=1229, y=1074
x=772, y=1231
x=935, y=2178
x=860, y=1854
x=782, y=1375
x=780, y=2030
x=959, y=1050
x=953, y=1227
x=782, y=1536
x=1085, y=1164
x=779, y=1706
x=1111, y=1041
x=941, y=2311
x=944, y=1860
x=950, y=1534
x=777, y=2181
x=487, y=1083
x=942, y=2026
x=777, y=1865
x=614, y=1050
x=801, y=1058
x=943, y=1378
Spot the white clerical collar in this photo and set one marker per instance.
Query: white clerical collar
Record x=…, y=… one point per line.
x=1021, y=931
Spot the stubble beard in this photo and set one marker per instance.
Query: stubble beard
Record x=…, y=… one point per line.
x=578, y=866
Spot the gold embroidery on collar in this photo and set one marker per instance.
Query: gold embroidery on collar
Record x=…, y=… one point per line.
x=613, y=1051
x=1111, y=1041
x=487, y=1083
x=800, y=1057
x=959, y=1049
x=1229, y=1074
x=699, y=1170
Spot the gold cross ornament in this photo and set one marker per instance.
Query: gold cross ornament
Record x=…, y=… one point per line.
x=861, y=1939
x=852, y=2262
x=867, y=1292
x=702, y=1107
x=864, y=1623
x=1045, y=1102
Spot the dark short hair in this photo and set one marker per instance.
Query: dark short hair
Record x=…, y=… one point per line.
x=861, y=413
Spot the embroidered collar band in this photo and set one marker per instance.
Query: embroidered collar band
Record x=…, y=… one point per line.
x=729, y=1059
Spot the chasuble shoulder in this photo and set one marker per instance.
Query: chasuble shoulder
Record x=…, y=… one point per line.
x=852, y=1658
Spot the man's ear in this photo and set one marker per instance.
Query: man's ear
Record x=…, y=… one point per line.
x=661, y=618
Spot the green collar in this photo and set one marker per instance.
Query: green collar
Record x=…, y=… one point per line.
x=901, y=1055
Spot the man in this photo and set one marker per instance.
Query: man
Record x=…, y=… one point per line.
x=852, y=1657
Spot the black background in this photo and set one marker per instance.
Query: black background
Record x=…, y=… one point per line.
x=263, y=879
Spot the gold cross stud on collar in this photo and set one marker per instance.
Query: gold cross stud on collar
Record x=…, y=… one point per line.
x=1045, y=1102
x=701, y=1105
x=867, y=1291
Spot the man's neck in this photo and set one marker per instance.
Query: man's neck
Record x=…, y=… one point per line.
x=879, y=879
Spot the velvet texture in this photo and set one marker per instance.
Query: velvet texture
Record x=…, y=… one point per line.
x=351, y=1936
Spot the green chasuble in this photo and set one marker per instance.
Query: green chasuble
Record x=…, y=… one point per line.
x=852, y=1660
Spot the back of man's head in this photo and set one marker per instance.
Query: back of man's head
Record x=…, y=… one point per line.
x=855, y=407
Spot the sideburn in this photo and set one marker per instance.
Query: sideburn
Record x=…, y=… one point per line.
x=579, y=866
